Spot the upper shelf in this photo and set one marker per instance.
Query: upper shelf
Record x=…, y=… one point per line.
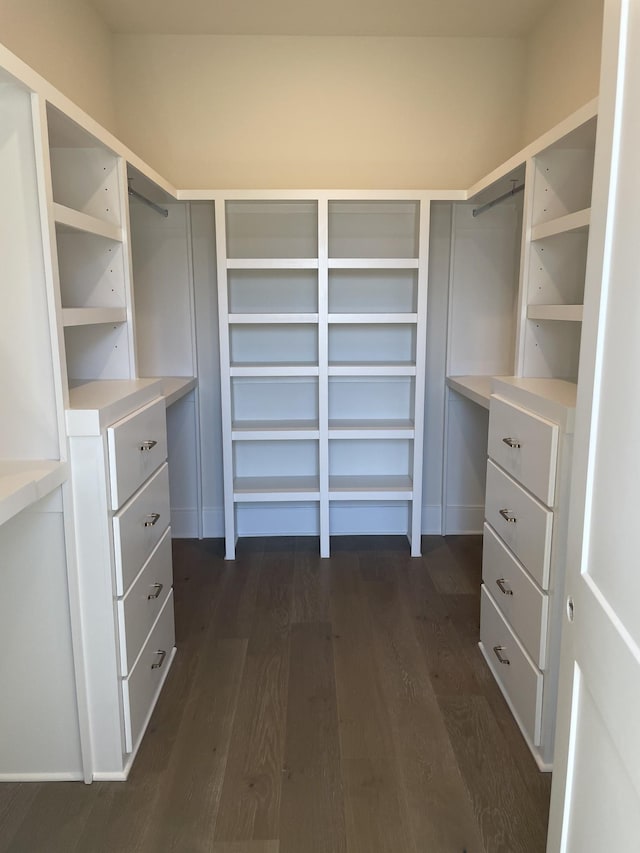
x=567, y=313
x=24, y=482
x=578, y=221
x=67, y=218
x=92, y=316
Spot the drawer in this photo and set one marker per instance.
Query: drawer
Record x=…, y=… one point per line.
x=139, y=609
x=521, y=681
x=140, y=689
x=139, y=526
x=523, y=605
x=137, y=446
x=521, y=521
x=526, y=446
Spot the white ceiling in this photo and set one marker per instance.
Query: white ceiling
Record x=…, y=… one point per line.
x=323, y=17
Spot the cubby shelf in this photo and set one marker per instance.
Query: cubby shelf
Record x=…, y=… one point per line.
x=567, y=313
x=578, y=221
x=344, y=333
x=272, y=263
x=370, y=487
x=373, y=263
x=66, y=217
x=275, y=489
x=274, y=430
x=266, y=319
x=379, y=428
x=373, y=319
x=290, y=369
x=372, y=369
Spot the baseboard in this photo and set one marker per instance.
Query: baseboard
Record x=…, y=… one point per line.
x=212, y=522
x=432, y=520
x=184, y=523
x=71, y=776
x=464, y=520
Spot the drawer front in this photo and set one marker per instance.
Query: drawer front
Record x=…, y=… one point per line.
x=521, y=521
x=139, y=609
x=519, y=678
x=137, y=446
x=523, y=605
x=526, y=446
x=140, y=689
x=139, y=526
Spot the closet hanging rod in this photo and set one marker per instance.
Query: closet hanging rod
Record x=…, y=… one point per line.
x=514, y=191
x=161, y=210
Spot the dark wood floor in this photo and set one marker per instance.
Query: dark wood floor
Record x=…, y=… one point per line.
x=314, y=706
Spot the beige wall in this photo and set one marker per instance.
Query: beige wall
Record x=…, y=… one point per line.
x=265, y=112
x=563, y=64
x=66, y=42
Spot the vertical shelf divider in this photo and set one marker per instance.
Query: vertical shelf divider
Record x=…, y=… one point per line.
x=415, y=522
x=323, y=365
x=230, y=533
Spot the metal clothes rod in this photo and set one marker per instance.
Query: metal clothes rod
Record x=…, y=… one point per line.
x=161, y=210
x=478, y=210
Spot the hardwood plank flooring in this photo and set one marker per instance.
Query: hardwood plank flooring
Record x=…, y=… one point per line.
x=314, y=706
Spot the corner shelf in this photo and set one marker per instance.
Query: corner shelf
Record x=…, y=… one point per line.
x=374, y=428
x=372, y=369
x=288, y=369
x=272, y=263
x=266, y=319
x=373, y=263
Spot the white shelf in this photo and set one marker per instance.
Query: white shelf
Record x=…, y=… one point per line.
x=96, y=404
x=275, y=489
x=92, y=316
x=266, y=319
x=272, y=263
x=290, y=369
x=265, y=430
x=24, y=482
x=65, y=217
x=578, y=221
x=381, y=428
x=372, y=369
x=176, y=387
x=370, y=487
x=373, y=263
x=474, y=388
x=370, y=319
x=567, y=313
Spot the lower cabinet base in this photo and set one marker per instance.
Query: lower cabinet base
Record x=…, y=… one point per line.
x=121, y=776
x=544, y=766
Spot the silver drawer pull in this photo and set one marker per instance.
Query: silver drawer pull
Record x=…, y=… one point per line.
x=508, y=516
x=498, y=653
x=147, y=445
x=152, y=519
x=502, y=586
x=158, y=589
x=512, y=442
x=161, y=656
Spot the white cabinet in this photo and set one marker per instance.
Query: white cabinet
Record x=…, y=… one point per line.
x=322, y=337
x=524, y=549
x=121, y=490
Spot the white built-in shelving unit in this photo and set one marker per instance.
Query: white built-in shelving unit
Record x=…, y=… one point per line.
x=322, y=332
